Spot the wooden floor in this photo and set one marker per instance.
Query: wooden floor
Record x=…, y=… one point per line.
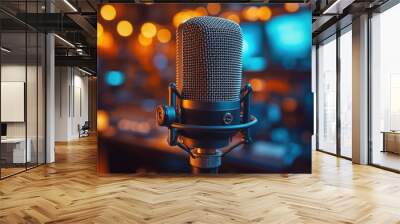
x=387, y=159
x=5, y=172
x=69, y=191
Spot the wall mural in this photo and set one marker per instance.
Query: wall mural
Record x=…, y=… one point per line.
x=269, y=45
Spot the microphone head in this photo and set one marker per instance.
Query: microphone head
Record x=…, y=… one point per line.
x=209, y=60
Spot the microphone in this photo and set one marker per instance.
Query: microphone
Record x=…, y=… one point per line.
x=207, y=105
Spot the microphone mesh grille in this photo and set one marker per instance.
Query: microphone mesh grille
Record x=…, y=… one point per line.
x=209, y=59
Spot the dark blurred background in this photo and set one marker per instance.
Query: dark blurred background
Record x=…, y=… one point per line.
x=136, y=62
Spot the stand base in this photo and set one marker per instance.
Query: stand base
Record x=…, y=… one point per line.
x=206, y=158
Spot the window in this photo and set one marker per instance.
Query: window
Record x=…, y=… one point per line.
x=22, y=77
x=327, y=96
x=385, y=89
x=346, y=92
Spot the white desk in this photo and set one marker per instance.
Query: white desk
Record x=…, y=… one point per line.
x=18, y=150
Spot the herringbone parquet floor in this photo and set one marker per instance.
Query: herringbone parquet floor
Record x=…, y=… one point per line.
x=70, y=191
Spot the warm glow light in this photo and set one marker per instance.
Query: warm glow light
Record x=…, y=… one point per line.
x=201, y=11
x=177, y=20
x=251, y=13
x=134, y=126
x=277, y=86
x=144, y=41
x=149, y=30
x=235, y=18
x=102, y=120
x=213, y=8
x=264, y=13
x=164, y=36
x=257, y=84
x=124, y=28
x=183, y=16
x=194, y=13
x=292, y=7
x=100, y=30
x=105, y=40
x=108, y=12
x=289, y=104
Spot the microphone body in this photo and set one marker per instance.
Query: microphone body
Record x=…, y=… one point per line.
x=207, y=106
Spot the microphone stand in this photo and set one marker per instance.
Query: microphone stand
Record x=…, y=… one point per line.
x=204, y=160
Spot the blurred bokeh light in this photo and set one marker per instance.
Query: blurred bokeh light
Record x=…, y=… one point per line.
x=232, y=16
x=105, y=40
x=108, y=12
x=102, y=120
x=164, y=35
x=114, y=78
x=213, y=8
x=100, y=30
x=251, y=13
x=253, y=55
x=149, y=30
x=264, y=13
x=292, y=7
x=145, y=41
x=124, y=28
x=290, y=41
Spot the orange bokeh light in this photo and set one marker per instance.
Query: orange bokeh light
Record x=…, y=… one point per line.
x=213, y=8
x=144, y=41
x=235, y=18
x=251, y=13
x=105, y=40
x=108, y=12
x=292, y=7
x=149, y=30
x=201, y=11
x=257, y=84
x=124, y=28
x=277, y=86
x=100, y=31
x=289, y=104
x=102, y=120
x=164, y=35
x=264, y=13
x=183, y=16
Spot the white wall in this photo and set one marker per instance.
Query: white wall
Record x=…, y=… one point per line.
x=62, y=81
x=80, y=110
x=71, y=94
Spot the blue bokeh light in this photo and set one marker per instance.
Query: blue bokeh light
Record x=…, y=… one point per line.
x=274, y=113
x=160, y=61
x=253, y=55
x=290, y=38
x=280, y=135
x=114, y=78
x=255, y=64
x=295, y=151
